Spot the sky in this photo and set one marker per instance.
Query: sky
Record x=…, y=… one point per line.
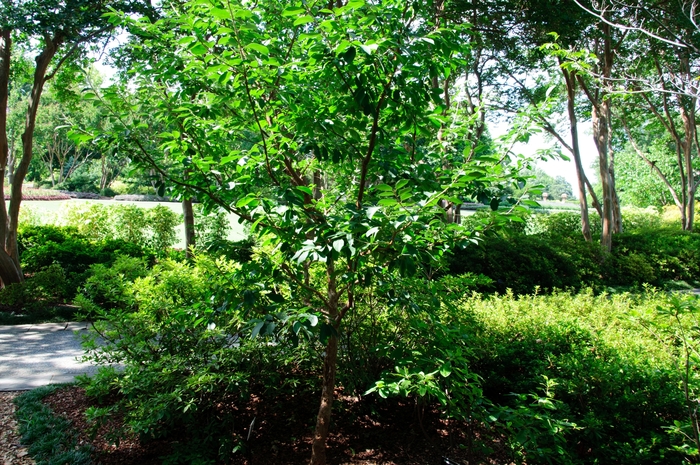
x=567, y=169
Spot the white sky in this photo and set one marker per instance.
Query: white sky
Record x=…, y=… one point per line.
x=567, y=169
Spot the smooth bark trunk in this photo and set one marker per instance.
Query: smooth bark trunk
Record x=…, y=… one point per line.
x=576, y=152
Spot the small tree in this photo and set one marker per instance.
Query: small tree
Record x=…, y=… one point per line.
x=317, y=126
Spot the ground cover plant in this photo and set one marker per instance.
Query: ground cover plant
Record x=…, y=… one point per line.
x=564, y=378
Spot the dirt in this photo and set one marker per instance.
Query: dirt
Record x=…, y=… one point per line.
x=11, y=451
x=363, y=433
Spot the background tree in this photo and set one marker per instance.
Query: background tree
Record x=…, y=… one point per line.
x=57, y=34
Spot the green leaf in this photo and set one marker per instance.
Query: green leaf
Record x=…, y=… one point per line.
x=446, y=370
x=387, y=202
x=293, y=11
x=220, y=13
x=199, y=49
x=338, y=245
x=304, y=20
x=260, y=48
x=186, y=40
x=256, y=329
x=305, y=190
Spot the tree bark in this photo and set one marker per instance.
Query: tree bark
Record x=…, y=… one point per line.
x=330, y=363
x=9, y=268
x=42, y=64
x=323, y=420
x=570, y=80
x=188, y=213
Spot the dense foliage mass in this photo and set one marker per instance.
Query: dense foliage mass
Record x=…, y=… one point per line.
x=347, y=135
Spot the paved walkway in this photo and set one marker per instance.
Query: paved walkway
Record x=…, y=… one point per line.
x=36, y=355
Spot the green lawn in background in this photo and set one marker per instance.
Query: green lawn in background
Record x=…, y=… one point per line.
x=51, y=211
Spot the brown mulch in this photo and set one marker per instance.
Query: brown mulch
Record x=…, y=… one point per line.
x=11, y=451
x=381, y=433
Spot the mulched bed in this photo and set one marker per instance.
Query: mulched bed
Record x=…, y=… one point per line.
x=361, y=434
x=11, y=450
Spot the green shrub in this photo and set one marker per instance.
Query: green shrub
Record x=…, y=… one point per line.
x=42, y=247
x=654, y=256
x=79, y=183
x=146, y=227
x=520, y=263
x=177, y=333
x=109, y=286
x=162, y=223
x=617, y=383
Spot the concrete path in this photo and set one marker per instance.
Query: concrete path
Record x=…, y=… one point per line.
x=36, y=355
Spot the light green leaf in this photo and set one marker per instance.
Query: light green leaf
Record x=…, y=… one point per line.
x=186, y=40
x=338, y=245
x=220, y=13
x=293, y=11
x=387, y=202
x=305, y=190
x=304, y=20
x=260, y=48
x=199, y=49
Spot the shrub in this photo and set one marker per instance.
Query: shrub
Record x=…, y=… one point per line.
x=44, y=246
x=79, y=183
x=146, y=227
x=654, y=256
x=606, y=369
x=520, y=263
x=179, y=342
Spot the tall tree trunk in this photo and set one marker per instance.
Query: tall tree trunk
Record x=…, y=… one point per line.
x=42, y=64
x=10, y=271
x=5, y=55
x=600, y=117
x=188, y=213
x=570, y=80
x=600, y=133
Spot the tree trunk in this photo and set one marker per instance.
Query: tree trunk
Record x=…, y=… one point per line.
x=188, y=213
x=42, y=64
x=9, y=271
x=576, y=152
x=323, y=420
x=600, y=133
x=330, y=362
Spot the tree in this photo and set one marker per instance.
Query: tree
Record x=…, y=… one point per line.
x=319, y=127
x=60, y=32
x=661, y=75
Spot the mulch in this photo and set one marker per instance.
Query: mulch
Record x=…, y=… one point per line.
x=363, y=433
x=11, y=450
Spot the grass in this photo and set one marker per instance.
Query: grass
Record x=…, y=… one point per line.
x=49, y=438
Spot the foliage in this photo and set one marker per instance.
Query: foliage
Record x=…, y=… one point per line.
x=180, y=341
x=49, y=436
x=145, y=227
x=550, y=253
x=107, y=285
x=521, y=263
x=601, y=366
x=68, y=255
x=47, y=288
x=677, y=326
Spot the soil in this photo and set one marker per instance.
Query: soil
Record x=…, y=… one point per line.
x=11, y=451
x=279, y=431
